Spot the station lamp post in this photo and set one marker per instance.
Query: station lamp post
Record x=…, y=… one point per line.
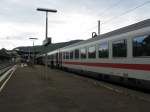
x=33, y=52
x=46, y=10
x=46, y=33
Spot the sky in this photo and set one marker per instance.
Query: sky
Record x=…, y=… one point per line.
x=75, y=19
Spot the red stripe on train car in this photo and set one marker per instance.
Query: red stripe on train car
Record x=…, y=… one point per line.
x=113, y=65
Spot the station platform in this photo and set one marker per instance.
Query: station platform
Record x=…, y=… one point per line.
x=31, y=90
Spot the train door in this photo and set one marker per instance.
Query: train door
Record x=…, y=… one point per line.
x=60, y=59
x=52, y=61
x=57, y=60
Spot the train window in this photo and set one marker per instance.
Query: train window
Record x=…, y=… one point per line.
x=67, y=55
x=119, y=48
x=103, y=50
x=92, y=52
x=141, y=46
x=83, y=53
x=77, y=54
x=71, y=54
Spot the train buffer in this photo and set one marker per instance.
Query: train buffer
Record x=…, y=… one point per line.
x=30, y=90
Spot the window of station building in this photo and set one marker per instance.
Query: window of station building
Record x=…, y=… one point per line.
x=83, y=53
x=77, y=54
x=103, y=50
x=141, y=46
x=71, y=54
x=119, y=48
x=92, y=52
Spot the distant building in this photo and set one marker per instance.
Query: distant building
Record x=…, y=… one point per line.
x=4, y=55
x=8, y=56
x=30, y=52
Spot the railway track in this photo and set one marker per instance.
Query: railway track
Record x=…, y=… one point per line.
x=5, y=74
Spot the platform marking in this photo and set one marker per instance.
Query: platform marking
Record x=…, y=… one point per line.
x=12, y=70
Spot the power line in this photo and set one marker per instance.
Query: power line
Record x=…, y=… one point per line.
x=111, y=7
x=126, y=12
x=103, y=12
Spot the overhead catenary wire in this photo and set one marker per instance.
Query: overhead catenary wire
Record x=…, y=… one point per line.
x=104, y=12
x=107, y=10
x=122, y=14
x=126, y=12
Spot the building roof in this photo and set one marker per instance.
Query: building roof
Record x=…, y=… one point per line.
x=43, y=49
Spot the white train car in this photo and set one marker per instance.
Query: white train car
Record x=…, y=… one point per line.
x=122, y=55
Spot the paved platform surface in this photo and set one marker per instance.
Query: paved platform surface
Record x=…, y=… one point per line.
x=28, y=91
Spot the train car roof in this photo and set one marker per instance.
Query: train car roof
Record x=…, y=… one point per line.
x=133, y=27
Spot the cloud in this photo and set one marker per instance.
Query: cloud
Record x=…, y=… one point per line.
x=75, y=19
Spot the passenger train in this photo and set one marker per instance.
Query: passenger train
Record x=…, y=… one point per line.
x=121, y=56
